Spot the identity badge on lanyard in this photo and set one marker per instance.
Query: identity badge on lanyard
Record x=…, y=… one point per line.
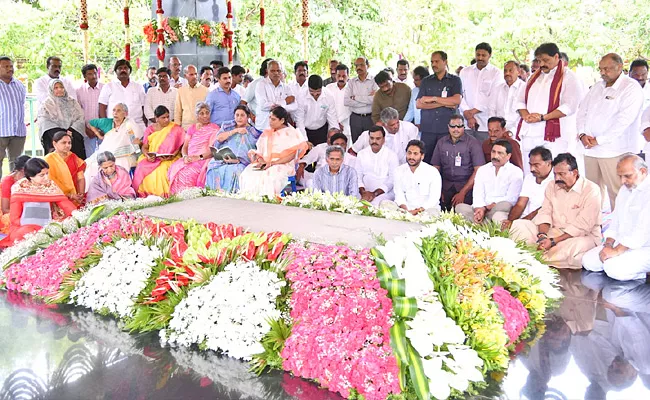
x=458, y=161
x=444, y=92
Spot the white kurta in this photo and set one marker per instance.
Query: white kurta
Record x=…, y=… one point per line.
x=395, y=141
x=267, y=96
x=503, y=103
x=342, y=111
x=417, y=189
x=132, y=95
x=375, y=171
x=534, y=192
x=313, y=114
x=491, y=186
x=477, y=87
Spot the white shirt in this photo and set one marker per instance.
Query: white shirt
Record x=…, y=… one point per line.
x=418, y=189
x=249, y=95
x=267, y=96
x=396, y=142
x=477, y=85
x=492, y=187
x=42, y=88
x=534, y=192
x=571, y=94
x=611, y=115
x=318, y=155
x=503, y=100
x=180, y=80
x=360, y=90
x=631, y=217
x=239, y=89
x=156, y=97
x=646, y=95
x=645, y=124
x=132, y=95
x=313, y=114
x=375, y=170
x=408, y=81
x=299, y=91
x=342, y=112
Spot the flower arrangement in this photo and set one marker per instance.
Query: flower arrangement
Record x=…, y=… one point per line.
x=183, y=29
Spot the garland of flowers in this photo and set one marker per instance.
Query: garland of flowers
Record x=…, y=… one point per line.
x=305, y=29
x=84, y=28
x=159, y=35
x=262, y=23
x=127, y=32
x=182, y=29
x=229, y=31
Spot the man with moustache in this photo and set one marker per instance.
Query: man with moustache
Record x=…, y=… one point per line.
x=161, y=95
x=337, y=90
x=175, y=79
x=336, y=176
x=568, y=224
x=186, y=98
x=300, y=87
x=497, y=131
x=207, y=78
x=496, y=187
x=88, y=98
x=41, y=89
x=503, y=97
x=317, y=156
x=535, y=183
x=332, y=78
x=639, y=72
x=125, y=91
x=390, y=94
x=272, y=92
x=222, y=100
x=238, y=73
x=317, y=112
x=417, y=184
x=12, y=114
x=625, y=255
x=359, y=94
x=403, y=73
x=375, y=168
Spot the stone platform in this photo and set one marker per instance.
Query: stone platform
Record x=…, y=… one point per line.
x=303, y=224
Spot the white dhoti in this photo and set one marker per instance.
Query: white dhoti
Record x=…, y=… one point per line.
x=269, y=182
x=371, y=184
x=633, y=264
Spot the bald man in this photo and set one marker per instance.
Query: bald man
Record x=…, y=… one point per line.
x=186, y=98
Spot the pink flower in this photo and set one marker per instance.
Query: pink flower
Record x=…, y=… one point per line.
x=514, y=313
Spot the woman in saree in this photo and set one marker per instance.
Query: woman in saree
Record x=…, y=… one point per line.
x=278, y=149
x=161, y=146
x=122, y=140
x=190, y=170
x=7, y=182
x=66, y=169
x=60, y=112
x=112, y=183
x=35, y=202
x=240, y=136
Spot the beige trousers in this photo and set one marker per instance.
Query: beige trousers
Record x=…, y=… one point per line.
x=498, y=213
x=602, y=171
x=566, y=254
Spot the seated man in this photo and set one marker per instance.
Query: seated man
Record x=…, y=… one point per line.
x=417, y=184
x=398, y=134
x=497, y=131
x=535, y=183
x=317, y=156
x=375, y=168
x=496, y=187
x=568, y=224
x=626, y=252
x=335, y=176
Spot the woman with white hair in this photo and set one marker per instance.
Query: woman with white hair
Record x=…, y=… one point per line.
x=112, y=183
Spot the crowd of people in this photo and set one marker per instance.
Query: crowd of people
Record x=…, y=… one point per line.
x=482, y=142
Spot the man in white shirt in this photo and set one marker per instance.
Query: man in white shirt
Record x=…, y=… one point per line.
x=42, y=84
x=532, y=192
x=645, y=129
x=417, y=185
x=375, y=168
x=398, y=134
x=161, y=95
x=238, y=73
x=639, y=72
x=337, y=90
x=359, y=95
x=608, y=124
x=478, y=80
x=300, y=86
x=503, y=97
x=496, y=187
x=249, y=96
x=403, y=75
x=272, y=92
x=549, y=123
x=175, y=66
x=317, y=112
x=625, y=254
x=126, y=91
x=317, y=156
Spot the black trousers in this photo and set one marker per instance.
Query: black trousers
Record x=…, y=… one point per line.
x=430, y=140
x=449, y=190
x=78, y=147
x=317, y=136
x=358, y=124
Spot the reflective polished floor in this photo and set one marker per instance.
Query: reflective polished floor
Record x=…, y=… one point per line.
x=596, y=346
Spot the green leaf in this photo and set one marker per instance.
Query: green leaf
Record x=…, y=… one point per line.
x=419, y=380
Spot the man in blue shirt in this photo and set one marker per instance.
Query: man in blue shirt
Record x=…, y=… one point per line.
x=223, y=99
x=12, y=113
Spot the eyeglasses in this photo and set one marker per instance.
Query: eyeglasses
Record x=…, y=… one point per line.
x=456, y=126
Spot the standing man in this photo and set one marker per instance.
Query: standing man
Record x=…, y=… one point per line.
x=175, y=66
x=237, y=73
x=88, y=98
x=223, y=100
x=524, y=72
x=249, y=96
x=375, y=168
x=162, y=95
x=497, y=131
x=608, y=124
x=42, y=85
x=317, y=112
x=207, y=77
x=439, y=97
x=478, y=80
x=215, y=64
x=413, y=113
x=336, y=89
x=398, y=134
x=272, y=92
x=332, y=78
x=151, y=79
x=359, y=98
x=395, y=95
x=503, y=97
x=12, y=113
x=186, y=98
x=403, y=73
x=548, y=104
x=124, y=90
x=639, y=72
x=299, y=86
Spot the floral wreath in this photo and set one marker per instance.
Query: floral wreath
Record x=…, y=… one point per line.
x=183, y=29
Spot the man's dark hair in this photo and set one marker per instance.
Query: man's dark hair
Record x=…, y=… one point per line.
x=217, y=62
x=315, y=82
x=441, y=53
x=164, y=70
x=639, y=62
x=50, y=59
x=525, y=67
x=221, y=71
x=86, y=68
x=122, y=62
x=505, y=144
x=417, y=143
x=567, y=158
x=377, y=128
x=550, y=49
x=300, y=64
x=403, y=61
x=5, y=58
x=455, y=117
x=500, y=120
x=484, y=46
x=152, y=68
x=265, y=66
x=338, y=136
x=421, y=71
x=206, y=68
x=238, y=70
x=389, y=70
x=542, y=152
x=382, y=77
x=343, y=67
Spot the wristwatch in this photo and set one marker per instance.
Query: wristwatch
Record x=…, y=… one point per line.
x=553, y=242
x=541, y=117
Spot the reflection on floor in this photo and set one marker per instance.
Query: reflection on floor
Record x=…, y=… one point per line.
x=597, y=346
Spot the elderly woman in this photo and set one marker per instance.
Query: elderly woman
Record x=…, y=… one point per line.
x=122, y=140
x=240, y=136
x=7, y=182
x=60, y=112
x=161, y=146
x=66, y=169
x=35, y=202
x=278, y=149
x=112, y=183
x=190, y=170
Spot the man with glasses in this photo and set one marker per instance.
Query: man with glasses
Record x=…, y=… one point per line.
x=359, y=94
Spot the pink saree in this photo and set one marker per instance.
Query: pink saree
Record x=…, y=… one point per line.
x=183, y=176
